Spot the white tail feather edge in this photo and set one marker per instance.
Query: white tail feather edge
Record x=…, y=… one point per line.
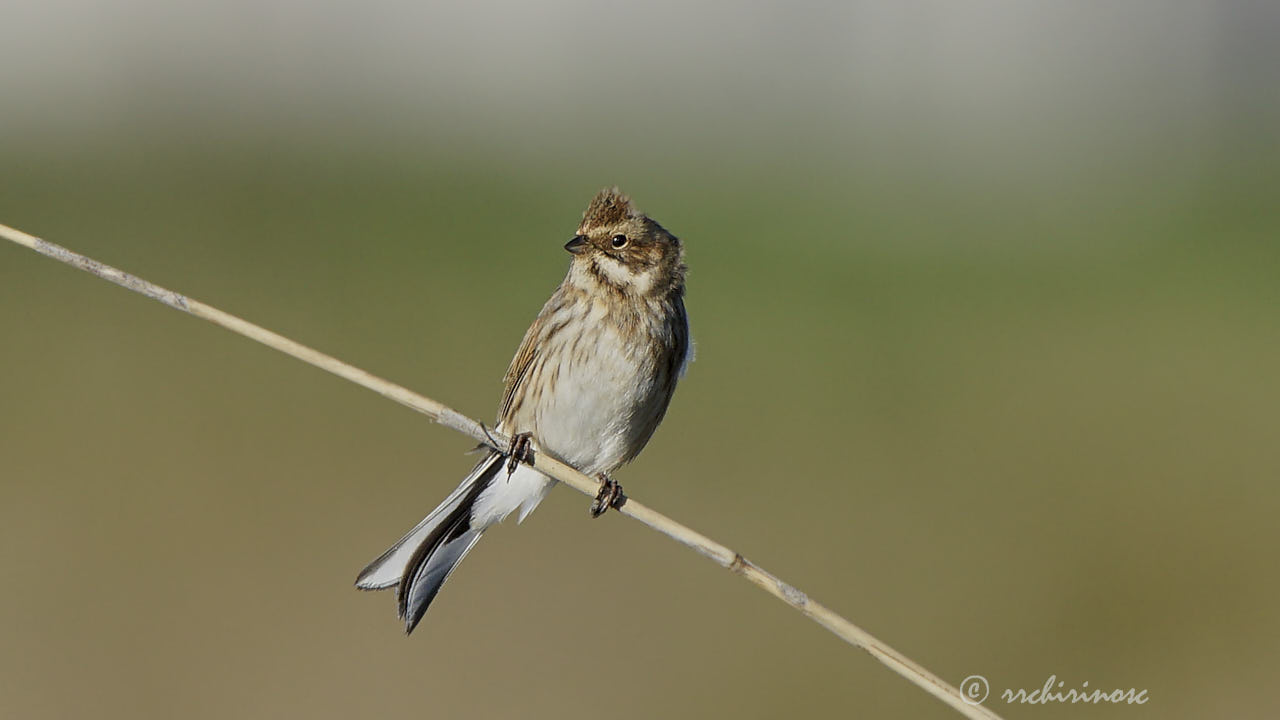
x=388, y=570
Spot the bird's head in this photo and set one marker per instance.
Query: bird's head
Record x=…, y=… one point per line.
x=622, y=248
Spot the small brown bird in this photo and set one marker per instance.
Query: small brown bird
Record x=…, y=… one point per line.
x=589, y=385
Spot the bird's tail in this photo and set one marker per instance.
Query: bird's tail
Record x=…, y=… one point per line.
x=424, y=558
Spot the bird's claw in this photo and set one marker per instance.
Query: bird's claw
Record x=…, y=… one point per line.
x=610, y=496
x=521, y=450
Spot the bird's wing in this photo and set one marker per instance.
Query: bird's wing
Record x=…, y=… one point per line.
x=520, y=365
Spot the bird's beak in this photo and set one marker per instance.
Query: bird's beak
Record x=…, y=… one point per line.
x=577, y=244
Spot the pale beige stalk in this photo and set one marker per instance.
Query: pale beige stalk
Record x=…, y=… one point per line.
x=455, y=420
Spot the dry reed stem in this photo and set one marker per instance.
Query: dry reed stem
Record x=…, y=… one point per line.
x=721, y=555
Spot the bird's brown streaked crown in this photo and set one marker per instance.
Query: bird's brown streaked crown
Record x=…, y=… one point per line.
x=608, y=208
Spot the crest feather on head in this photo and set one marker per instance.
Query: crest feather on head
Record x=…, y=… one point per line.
x=609, y=207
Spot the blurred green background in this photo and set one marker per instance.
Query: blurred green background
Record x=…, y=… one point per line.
x=985, y=300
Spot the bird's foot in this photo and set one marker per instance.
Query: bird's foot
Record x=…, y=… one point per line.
x=610, y=496
x=521, y=451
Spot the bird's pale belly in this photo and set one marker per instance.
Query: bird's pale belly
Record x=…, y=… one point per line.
x=603, y=408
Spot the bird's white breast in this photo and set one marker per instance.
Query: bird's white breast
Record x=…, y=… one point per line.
x=603, y=386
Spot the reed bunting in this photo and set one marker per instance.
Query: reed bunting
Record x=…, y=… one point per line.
x=589, y=385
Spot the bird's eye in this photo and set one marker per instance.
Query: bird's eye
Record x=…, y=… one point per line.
x=619, y=241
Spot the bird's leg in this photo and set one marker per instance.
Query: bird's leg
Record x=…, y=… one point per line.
x=610, y=496
x=521, y=450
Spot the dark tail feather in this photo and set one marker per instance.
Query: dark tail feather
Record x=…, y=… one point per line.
x=390, y=569
x=429, y=575
x=438, y=554
x=423, y=559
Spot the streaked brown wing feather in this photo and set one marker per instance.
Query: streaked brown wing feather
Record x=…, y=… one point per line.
x=518, y=372
x=670, y=363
